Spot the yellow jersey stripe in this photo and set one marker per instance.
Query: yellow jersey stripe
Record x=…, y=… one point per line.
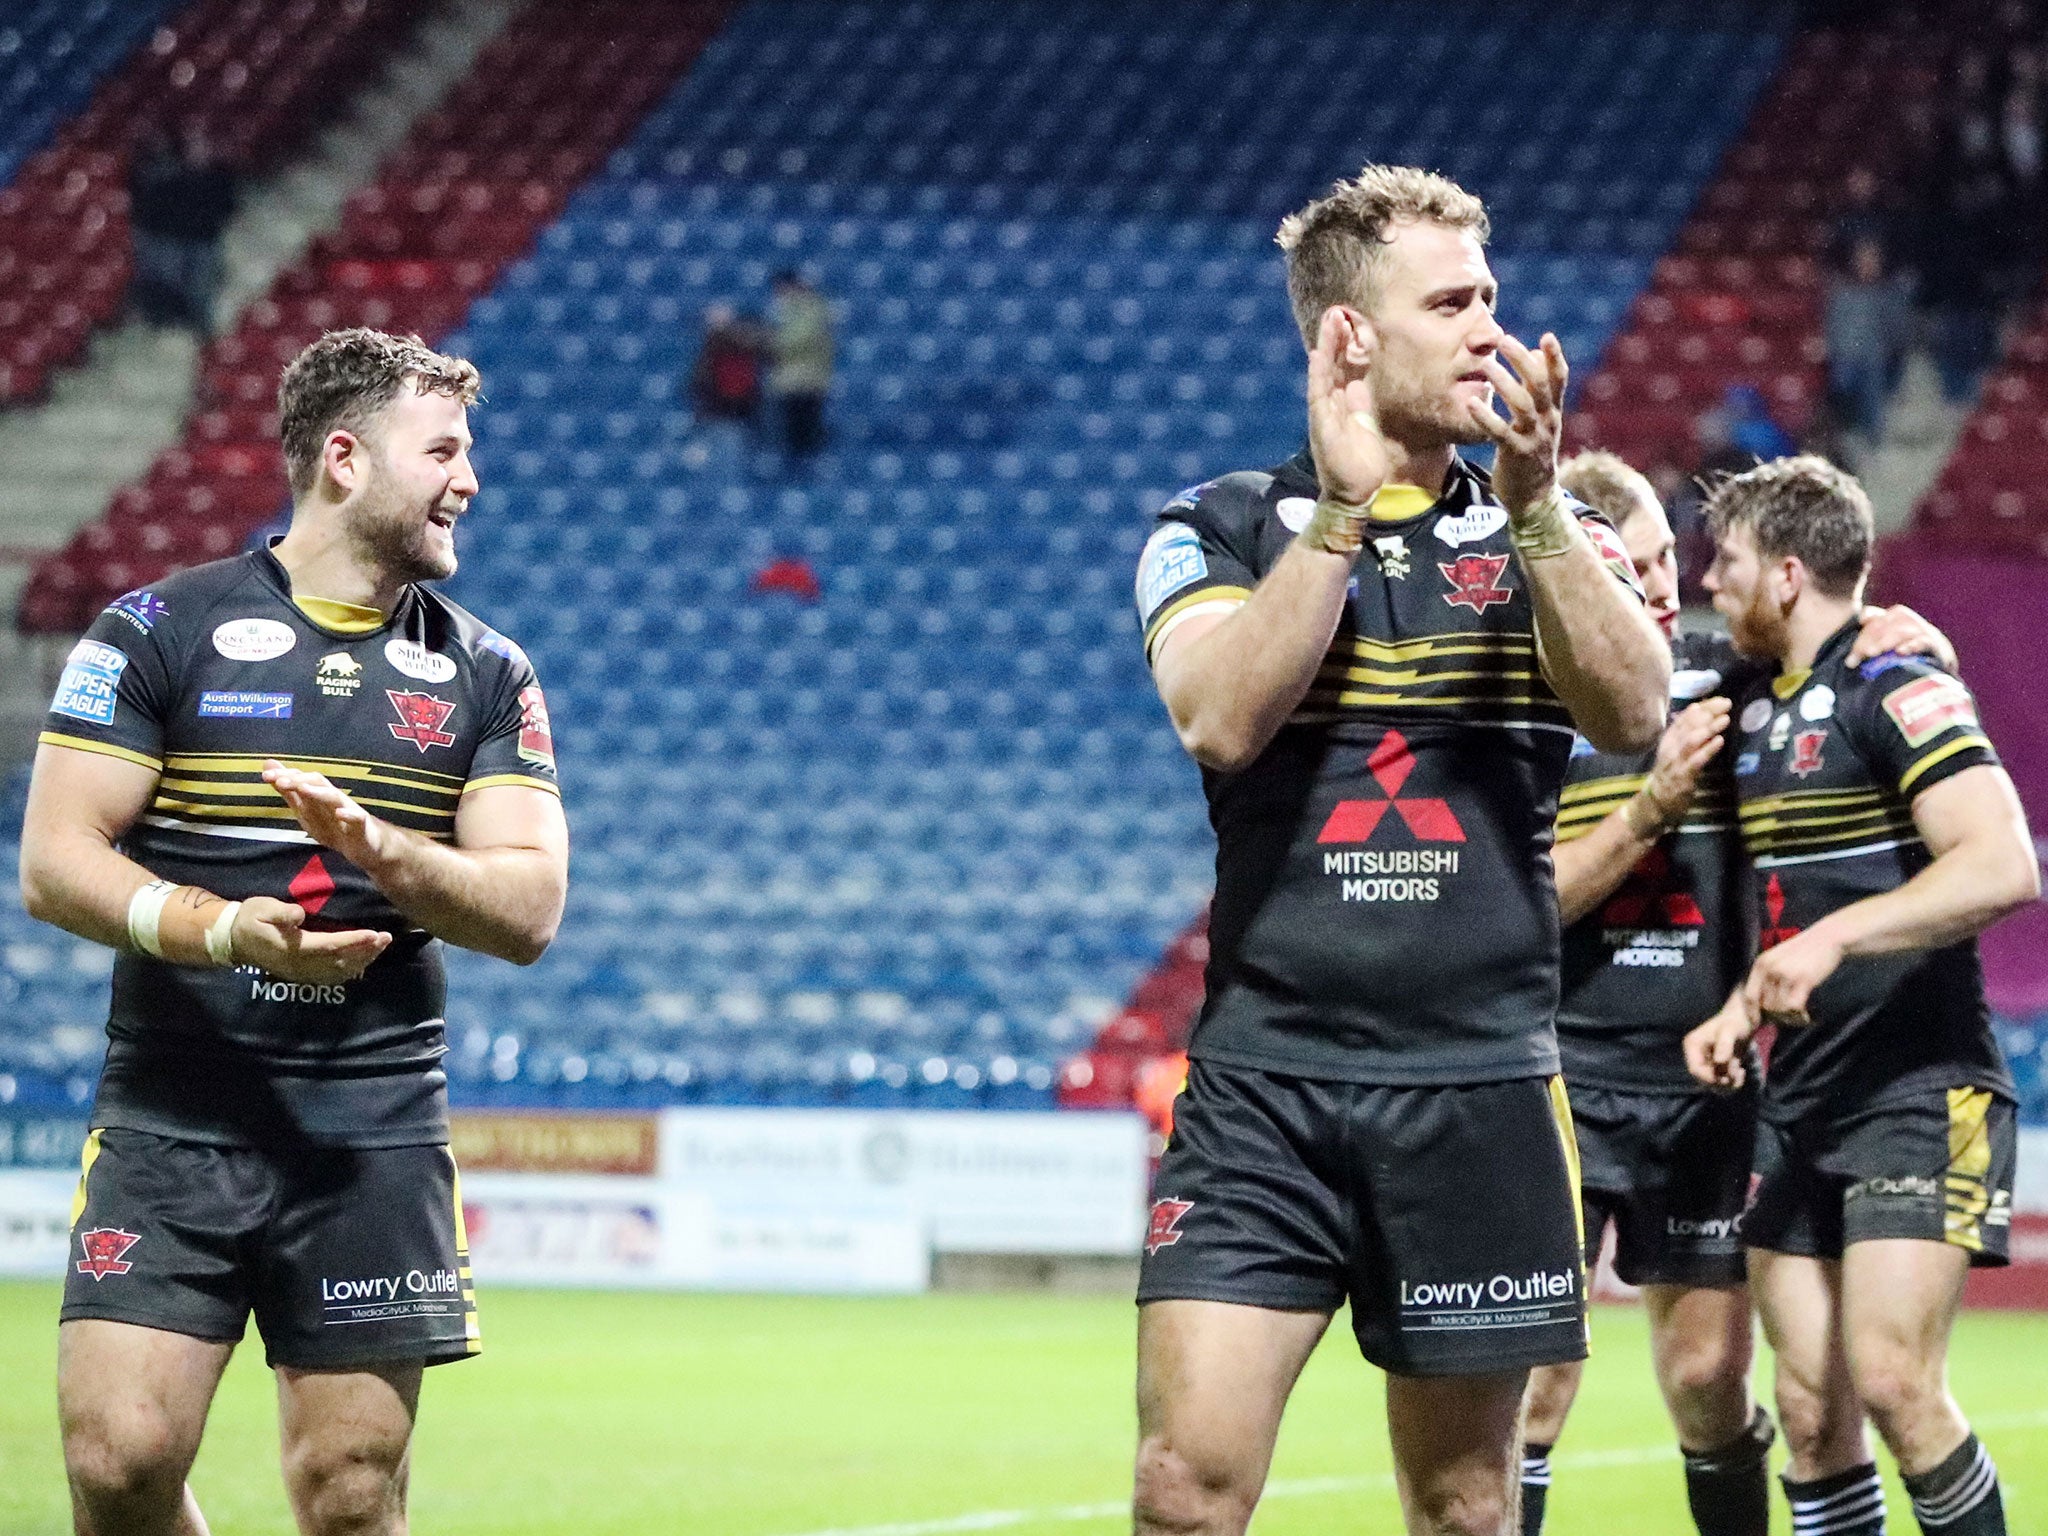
x=231, y=762
x=104, y=748
x=1961, y=744
x=515, y=780
x=1201, y=595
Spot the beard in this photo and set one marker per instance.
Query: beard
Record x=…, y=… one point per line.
x=1425, y=421
x=393, y=536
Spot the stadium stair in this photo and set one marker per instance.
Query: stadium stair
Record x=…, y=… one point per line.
x=1738, y=300
x=908, y=843
x=104, y=421
x=462, y=194
x=252, y=76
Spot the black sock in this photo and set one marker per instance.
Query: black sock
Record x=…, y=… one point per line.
x=1850, y=1503
x=1729, y=1487
x=1960, y=1497
x=1535, y=1485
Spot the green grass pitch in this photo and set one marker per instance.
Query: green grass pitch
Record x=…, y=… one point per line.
x=781, y=1416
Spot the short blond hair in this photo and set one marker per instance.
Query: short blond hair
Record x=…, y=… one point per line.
x=1607, y=483
x=1336, y=246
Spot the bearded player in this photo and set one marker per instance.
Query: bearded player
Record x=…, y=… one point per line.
x=276, y=785
x=1377, y=653
x=1652, y=887
x=1884, y=837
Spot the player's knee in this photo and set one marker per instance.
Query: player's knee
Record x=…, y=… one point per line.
x=1893, y=1386
x=354, y=1490
x=125, y=1455
x=1469, y=1506
x=1180, y=1495
x=1707, y=1384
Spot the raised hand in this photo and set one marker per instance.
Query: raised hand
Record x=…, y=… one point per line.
x=1688, y=744
x=330, y=817
x=1525, y=460
x=272, y=936
x=1351, y=456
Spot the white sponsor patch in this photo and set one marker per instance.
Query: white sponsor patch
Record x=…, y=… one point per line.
x=416, y=660
x=1689, y=683
x=1817, y=703
x=254, y=639
x=1294, y=512
x=1481, y=522
x=1173, y=558
x=1756, y=714
x=91, y=682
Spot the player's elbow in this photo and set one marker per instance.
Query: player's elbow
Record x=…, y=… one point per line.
x=39, y=890
x=1219, y=748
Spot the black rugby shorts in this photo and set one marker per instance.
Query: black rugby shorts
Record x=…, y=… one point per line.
x=347, y=1256
x=1446, y=1216
x=1670, y=1171
x=1938, y=1167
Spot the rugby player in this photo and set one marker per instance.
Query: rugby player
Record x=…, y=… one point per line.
x=1377, y=652
x=1652, y=891
x=1884, y=836
x=274, y=784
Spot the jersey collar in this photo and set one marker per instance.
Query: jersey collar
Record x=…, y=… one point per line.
x=1464, y=484
x=345, y=620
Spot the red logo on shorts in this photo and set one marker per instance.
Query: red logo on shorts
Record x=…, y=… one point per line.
x=420, y=718
x=1166, y=1215
x=103, y=1249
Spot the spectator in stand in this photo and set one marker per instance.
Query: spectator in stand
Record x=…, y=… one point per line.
x=1866, y=215
x=725, y=385
x=1866, y=328
x=181, y=199
x=802, y=326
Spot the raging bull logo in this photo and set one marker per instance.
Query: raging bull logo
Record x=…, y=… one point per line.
x=339, y=675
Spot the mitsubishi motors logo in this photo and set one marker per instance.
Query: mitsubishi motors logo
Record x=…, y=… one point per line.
x=1355, y=821
x=1775, y=930
x=1396, y=874
x=311, y=886
x=1649, y=895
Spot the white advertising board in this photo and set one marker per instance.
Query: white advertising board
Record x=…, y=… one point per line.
x=1071, y=1183
x=35, y=1220
x=598, y=1230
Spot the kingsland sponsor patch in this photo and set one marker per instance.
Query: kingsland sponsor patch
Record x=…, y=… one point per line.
x=1173, y=558
x=1923, y=710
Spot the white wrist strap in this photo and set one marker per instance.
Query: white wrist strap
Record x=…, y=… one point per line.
x=220, y=936
x=145, y=916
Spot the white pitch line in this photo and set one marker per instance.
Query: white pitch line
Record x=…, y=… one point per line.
x=1299, y=1488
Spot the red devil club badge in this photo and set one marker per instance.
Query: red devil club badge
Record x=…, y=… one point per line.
x=536, y=739
x=420, y=718
x=1165, y=1229
x=103, y=1249
x=1806, y=752
x=1476, y=579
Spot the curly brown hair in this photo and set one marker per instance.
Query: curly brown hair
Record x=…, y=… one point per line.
x=1336, y=246
x=1803, y=506
x=345, y=379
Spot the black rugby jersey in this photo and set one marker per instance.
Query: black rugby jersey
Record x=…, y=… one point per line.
x=1384, y=908
x=1826, y=768
x=201, y=677
x=1662, y=953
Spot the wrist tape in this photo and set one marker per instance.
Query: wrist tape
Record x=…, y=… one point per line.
x=220, y=936
x=145, y=917
x=1545, y=529
x=1337, y=527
